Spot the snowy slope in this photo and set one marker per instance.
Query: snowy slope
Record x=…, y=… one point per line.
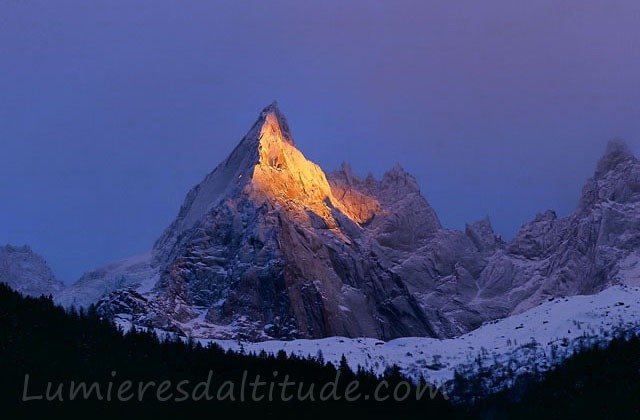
x=535, y=339
x=135, y=272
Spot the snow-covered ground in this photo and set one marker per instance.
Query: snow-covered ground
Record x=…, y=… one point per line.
x=536, y=339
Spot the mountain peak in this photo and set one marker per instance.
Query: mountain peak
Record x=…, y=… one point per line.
x=617, y=152
x=283, y=175
x=264, y=167
x=271, y=115
x=400, y=179
x=615, y=179
x=271, y=108
x=482, y=234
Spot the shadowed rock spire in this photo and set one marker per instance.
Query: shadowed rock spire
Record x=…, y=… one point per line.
x=617, y=177
x=482, y=235
x=617, y=152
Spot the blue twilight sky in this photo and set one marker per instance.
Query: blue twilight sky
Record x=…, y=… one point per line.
x=110, y=110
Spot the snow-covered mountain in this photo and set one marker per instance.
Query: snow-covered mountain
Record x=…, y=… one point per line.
x=27, y=272
x=268, y=246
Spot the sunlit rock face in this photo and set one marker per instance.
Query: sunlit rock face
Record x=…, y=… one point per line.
x=268, y=245
x=283, y=176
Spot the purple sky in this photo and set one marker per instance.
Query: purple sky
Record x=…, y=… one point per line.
x=111, y=110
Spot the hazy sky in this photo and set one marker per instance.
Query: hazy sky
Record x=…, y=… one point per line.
x=111, y=110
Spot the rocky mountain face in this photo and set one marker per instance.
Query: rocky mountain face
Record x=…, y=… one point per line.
x=268, y=245
x=595, y=247
x=26, y=272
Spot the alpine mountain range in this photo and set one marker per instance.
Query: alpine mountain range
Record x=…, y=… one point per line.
x=269, y=246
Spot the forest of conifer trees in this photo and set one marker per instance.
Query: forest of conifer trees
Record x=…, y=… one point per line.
x=50, y=344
